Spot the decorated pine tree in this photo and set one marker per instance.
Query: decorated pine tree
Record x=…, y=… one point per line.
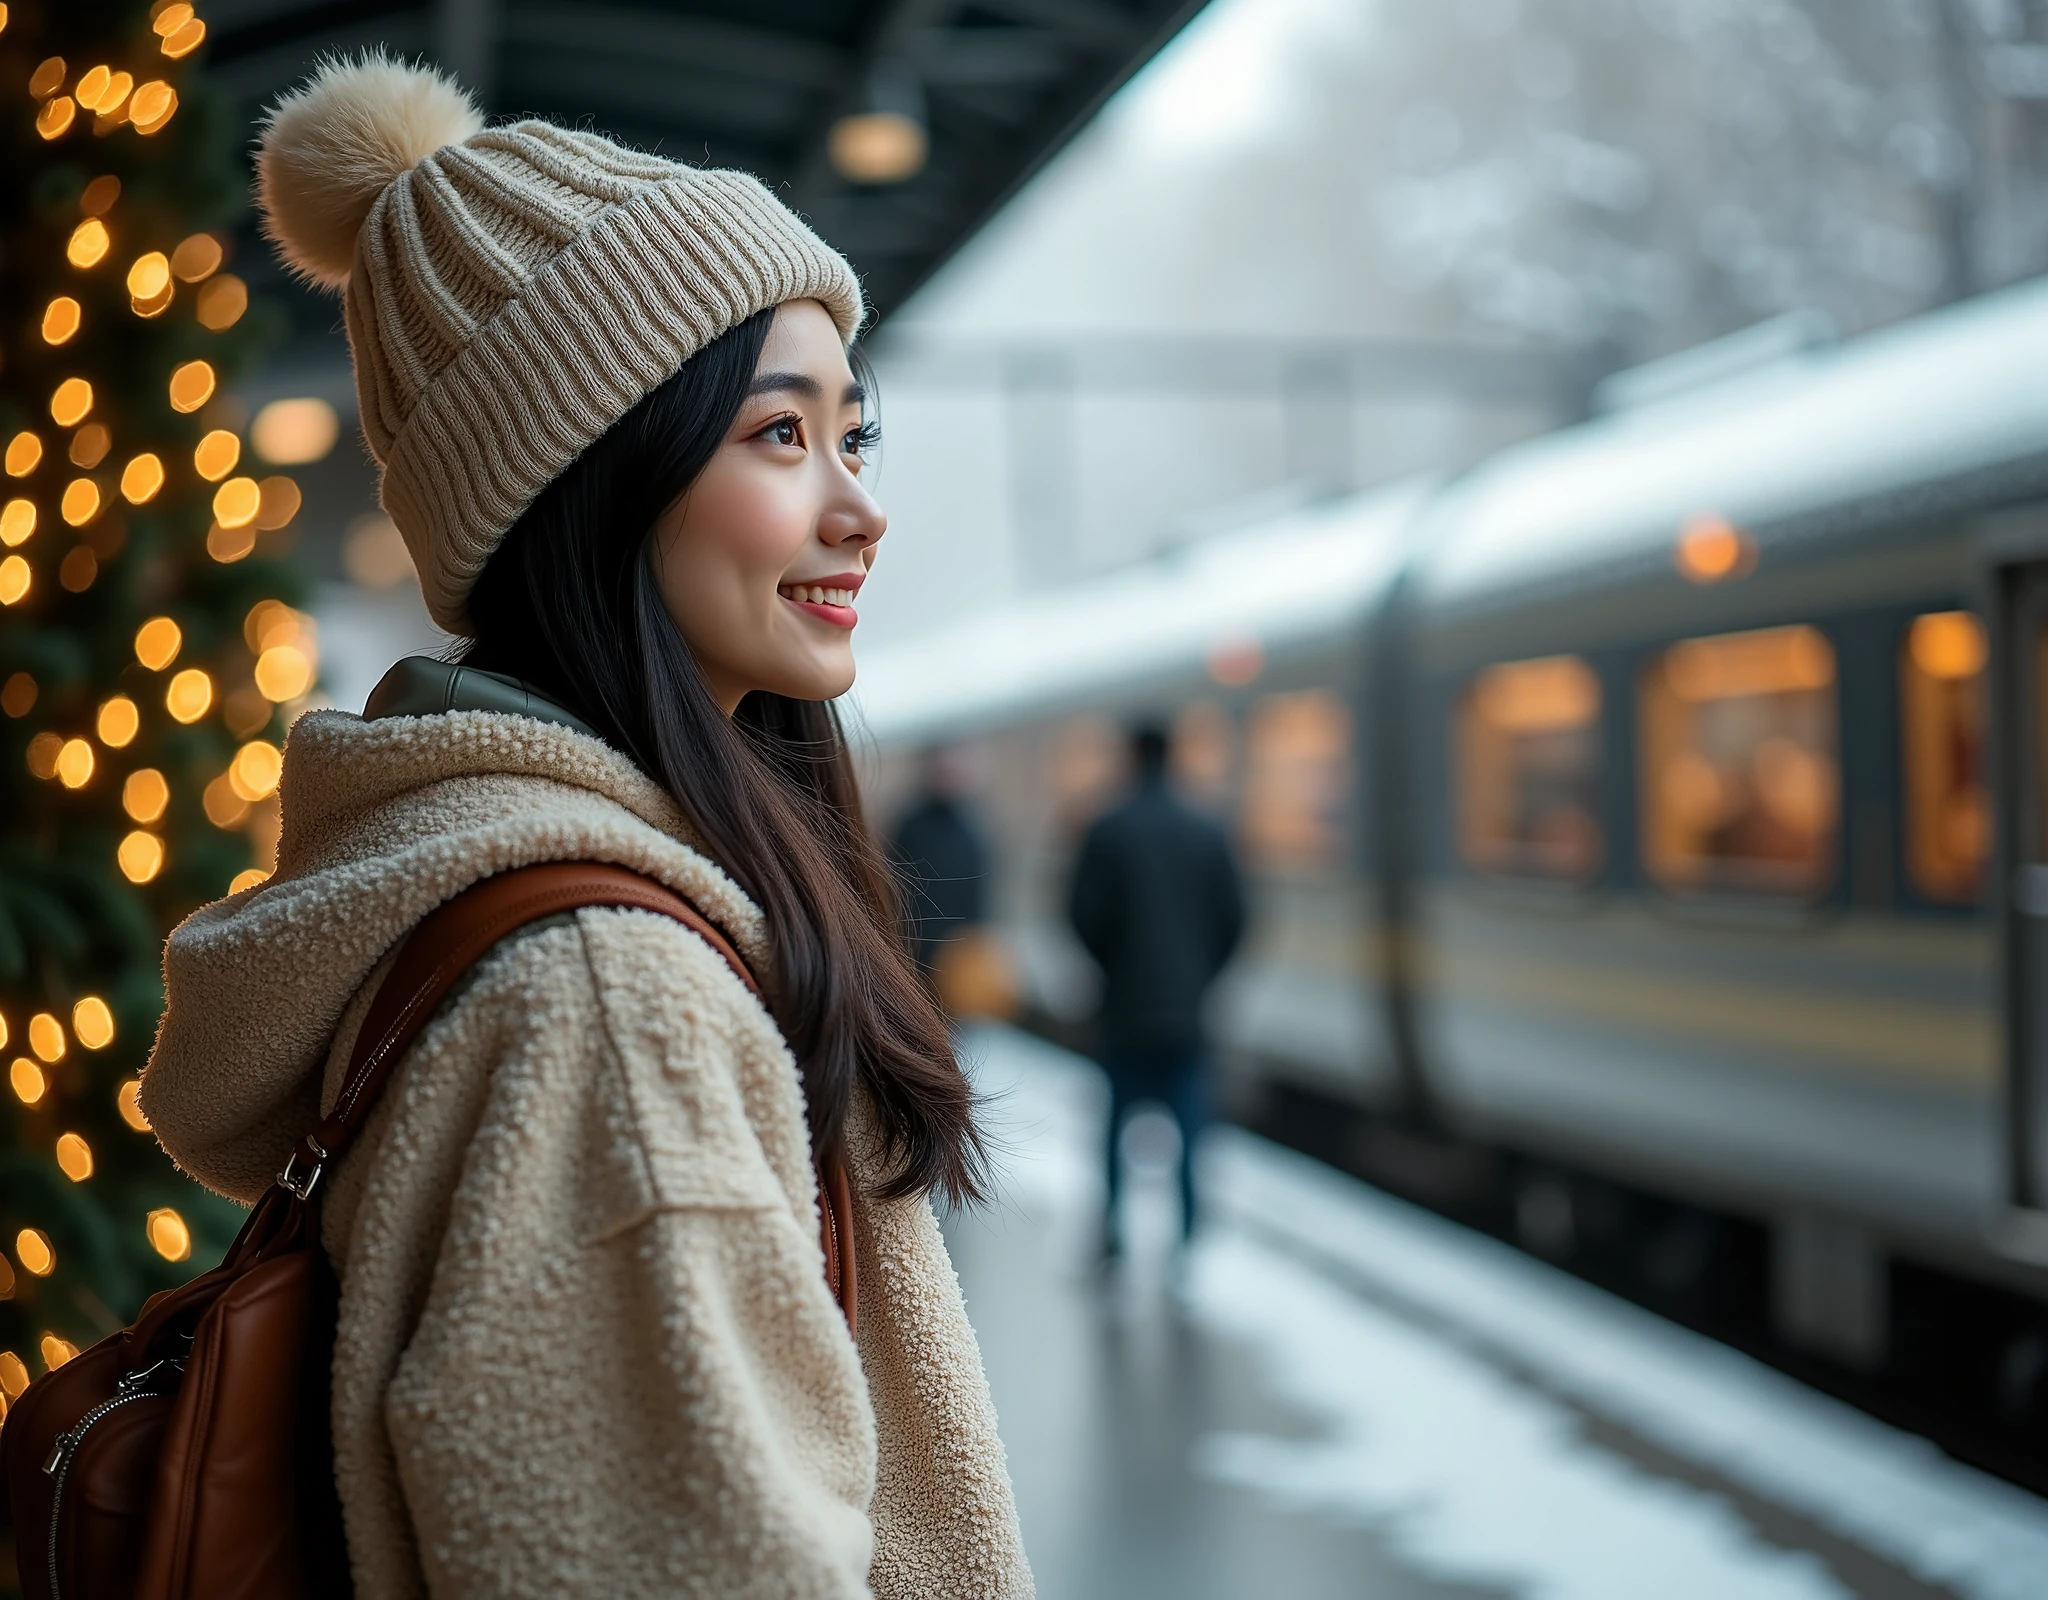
x=150, y=654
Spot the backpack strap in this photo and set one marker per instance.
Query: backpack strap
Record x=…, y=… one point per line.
x=449, y=941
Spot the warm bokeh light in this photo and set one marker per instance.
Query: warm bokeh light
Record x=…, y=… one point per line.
x=271, y=622
x=157, y=643
x=28, y=1081
x=141, y=478
x=152, y=106
x=236, y=502
x=247, y=878
x=46, y=1036
x=88, y=244
x=1235, y=662
x=227, y=545
x=191, y=386
x=1948, y=644
x=78, y=569
x=1711, y=548
x=70, y=401
x=221, y=302
x=13, y=1374
x=169, y=20
x=17, y=699
x=190, y=693
x=15, y=579
x=150, y=276
x=100, y=195
x=196, y=258
x=24, y=451
x=92, y=1020
x=81, y=502
x=32, y=1248
x=140, y=856
x=1765, y=661
x=129, y=1102
x=113, y=101
x=17, y=521
x=184, y=40
x=278, y=501
x=168, y=1235
x=295, y=432
x=74, y=764
x=283, y=672
x=877, y=147
x=74, y=1157
x=374, y=553
x=92, y=83
x=57, y=1351
x=257, y=767
x=54, y=120
x=214, y=457
x=48, y=77
x=42, y=753
x=61, y=318
x=223, y=807
x=90, y=444
x=145, y=794
x=118, y=722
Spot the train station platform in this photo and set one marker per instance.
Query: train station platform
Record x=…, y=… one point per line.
x=1337, y=1394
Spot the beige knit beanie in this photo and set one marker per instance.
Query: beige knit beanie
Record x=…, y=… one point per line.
x=511, y=292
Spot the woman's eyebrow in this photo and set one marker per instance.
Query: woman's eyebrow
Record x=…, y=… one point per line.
x=803, y=384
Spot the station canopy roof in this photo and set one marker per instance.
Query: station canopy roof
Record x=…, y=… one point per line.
x=896, y=126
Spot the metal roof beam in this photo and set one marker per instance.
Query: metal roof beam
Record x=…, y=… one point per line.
x=695, y=42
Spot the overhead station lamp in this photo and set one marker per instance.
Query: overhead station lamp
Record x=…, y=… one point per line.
x=886, y=140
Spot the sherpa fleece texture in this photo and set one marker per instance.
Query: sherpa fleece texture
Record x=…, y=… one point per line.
x=585, y=1345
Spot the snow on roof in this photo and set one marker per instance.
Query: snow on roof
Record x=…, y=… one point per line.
x=1961, y=389
x=1294, y=583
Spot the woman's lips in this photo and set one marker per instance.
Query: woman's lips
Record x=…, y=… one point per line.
x=830, y=601
x=838, y=616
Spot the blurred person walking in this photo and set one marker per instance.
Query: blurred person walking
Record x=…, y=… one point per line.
x=598, y=1242
x=940, y=859
x=1158, y=901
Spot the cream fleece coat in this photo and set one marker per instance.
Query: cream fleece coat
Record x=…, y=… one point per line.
x=585, y=1346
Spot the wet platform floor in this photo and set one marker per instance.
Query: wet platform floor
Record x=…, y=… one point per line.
x=1336, y=1394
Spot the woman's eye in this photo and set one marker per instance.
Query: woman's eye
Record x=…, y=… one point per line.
x=785, y=431
x=861, y=440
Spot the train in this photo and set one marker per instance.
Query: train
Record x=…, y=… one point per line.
x=1662, y=796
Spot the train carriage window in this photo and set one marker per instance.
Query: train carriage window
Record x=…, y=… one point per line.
x=1740, y=783
x=1296, y=782
x=1529, y=769
x=1942, y=710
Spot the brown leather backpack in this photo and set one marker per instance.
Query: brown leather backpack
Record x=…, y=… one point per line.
x=188, y=1457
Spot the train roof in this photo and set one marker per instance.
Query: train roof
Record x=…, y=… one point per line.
x=1288, y=586
x=1907, y=416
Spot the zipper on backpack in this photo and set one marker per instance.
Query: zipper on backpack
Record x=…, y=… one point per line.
x=132, y=1386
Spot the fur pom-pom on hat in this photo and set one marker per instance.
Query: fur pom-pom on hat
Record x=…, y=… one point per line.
x=330, y=148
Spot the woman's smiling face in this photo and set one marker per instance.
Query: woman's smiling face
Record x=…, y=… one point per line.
x=760, y=559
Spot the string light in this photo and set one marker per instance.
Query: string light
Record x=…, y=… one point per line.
x=129, y=1101
x=196, y=258
x=61, y=318
x=256, y=769
x=168, y=1235
x=152, y=106
x=149, y=284
x=190, y=693
x=17, y=699
x=270, y=622
x=17, y=522
x=236, y=502
x=92, y=83
x=74, y=771
x=48, y=78
x=145, y=794
x=295, y=432
x=81, y=502
x=228, y=545
x=141, y=478
x=140, y=856
x=55, y=118
x=191, y=386
x=169, y=20
x=15, y=578
x=112, y=103
x=221, y=302
x=42, y=754
x=13, y=1374
x=3, y=1032
x=184, y=40
x=28, y=1081
x=88, y=244
x=247, y=878
x=74, y=1157
x=70, y=401
x=24, y=451
x=100, y=195
x=92, y=1020
x=6, y=1282
x=157, y=643
x=280, y=501
x=283, y=672
x=57, y=1351
x=118, y=722
x=90, y=444
x=32, y=1248
x=223, y=807
x=46, y=1036
x=215, y=456
x=78, y=569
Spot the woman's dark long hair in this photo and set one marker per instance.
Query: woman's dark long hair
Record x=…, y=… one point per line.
x=569, y=603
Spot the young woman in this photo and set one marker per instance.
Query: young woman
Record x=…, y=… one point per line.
x=586, y=1344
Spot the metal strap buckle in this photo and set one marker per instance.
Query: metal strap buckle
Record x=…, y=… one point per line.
x=302, y=1184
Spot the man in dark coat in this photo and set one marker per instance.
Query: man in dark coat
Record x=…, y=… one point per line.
x=1157, y=900
x=940, y=860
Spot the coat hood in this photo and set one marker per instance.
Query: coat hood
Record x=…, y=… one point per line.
x=383, y=820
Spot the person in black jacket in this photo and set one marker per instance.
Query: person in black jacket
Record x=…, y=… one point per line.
x=1157, y=900
x=940, y=859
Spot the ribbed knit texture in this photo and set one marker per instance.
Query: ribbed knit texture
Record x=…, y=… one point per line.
x=514, y=294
